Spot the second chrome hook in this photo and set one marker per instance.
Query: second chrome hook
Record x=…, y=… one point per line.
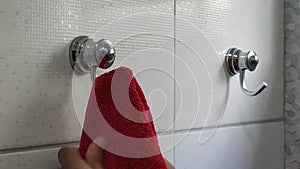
x=238, y=61
x=86, y=56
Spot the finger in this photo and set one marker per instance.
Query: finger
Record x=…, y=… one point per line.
x=94, y=156
x=69, y=158
x=169, y=165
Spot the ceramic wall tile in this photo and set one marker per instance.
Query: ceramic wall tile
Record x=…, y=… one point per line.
x=257, y=146
x=36, y=77
x=205, y=94
x=46, y=158
x=36, y=159
x=177, y=56
x=166, y=143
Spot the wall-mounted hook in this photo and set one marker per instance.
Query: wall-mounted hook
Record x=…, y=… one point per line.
x=238, y=61
x=86, y=56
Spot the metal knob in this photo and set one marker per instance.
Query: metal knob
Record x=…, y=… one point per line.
x=238, y=61
x=86, y=56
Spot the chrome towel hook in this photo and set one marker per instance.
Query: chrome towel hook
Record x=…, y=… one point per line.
x=238, y=61
x=86, y=56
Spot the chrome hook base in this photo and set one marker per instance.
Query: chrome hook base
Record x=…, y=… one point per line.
x=86, y=56
x=238, y=62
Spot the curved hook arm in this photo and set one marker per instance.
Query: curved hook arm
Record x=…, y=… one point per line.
x=244, y=88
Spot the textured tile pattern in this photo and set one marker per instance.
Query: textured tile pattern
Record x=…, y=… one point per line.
x=35, y=75
x=225, y=23
x=292, y=83
x=37, y=159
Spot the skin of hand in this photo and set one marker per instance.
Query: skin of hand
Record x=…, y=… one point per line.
x=69, y=158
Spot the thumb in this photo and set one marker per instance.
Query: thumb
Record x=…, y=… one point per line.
x=94, y=156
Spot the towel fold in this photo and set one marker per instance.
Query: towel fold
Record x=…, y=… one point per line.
x=119, y=118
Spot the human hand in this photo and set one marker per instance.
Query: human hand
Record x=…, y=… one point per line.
x=69, y=158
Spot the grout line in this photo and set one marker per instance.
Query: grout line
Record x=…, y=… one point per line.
x=39, y=147
x=174, y=68
x=174, y=82
x=284, y=85
x=57, y=145
x=223, y=126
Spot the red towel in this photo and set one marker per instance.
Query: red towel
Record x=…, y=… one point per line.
x=118, y=114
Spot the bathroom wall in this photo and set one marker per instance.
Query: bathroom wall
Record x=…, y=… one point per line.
x=292, y=112
x=176, y=50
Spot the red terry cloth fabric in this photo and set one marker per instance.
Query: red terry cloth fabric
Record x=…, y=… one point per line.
x=106, y=116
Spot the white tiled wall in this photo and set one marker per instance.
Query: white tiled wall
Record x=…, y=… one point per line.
x=174, y=48
x=225, y=24
x=46, y=158
x=36, y=78
x=39, y=159
x=256, y=146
